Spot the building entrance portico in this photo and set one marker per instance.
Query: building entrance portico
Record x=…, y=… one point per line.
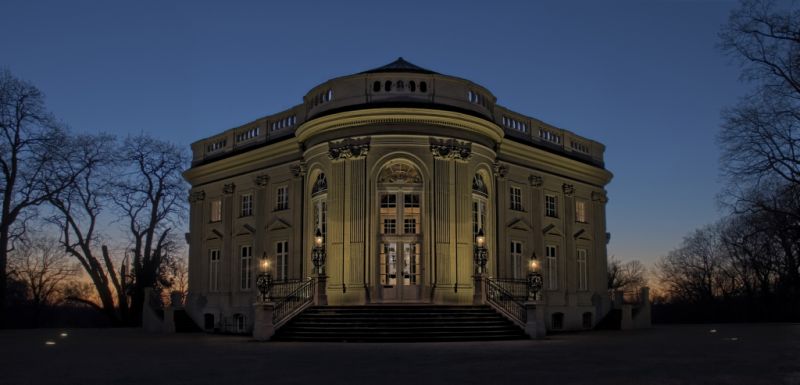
x=399, y=242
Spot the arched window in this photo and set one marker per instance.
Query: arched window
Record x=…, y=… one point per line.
x=320, y=185
x=412, y=86
x=376, y=86
x=480, y=193
x=423, y=87
x=387, y=86
x=478, y=186
x=319, y=202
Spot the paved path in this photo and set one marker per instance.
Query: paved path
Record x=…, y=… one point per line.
x=735, y=354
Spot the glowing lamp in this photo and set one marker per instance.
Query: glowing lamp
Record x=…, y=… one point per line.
x=318, y=239
x=480, y=239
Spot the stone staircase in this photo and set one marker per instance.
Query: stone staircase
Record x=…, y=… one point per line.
x=399, y=323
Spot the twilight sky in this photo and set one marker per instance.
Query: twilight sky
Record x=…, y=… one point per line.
x=643, y=77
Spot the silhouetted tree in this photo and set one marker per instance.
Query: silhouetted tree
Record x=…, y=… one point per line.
x=626, y=276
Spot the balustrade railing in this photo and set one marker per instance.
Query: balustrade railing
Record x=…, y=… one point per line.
x=288, y=304
x=518, y=288
x=505, y=300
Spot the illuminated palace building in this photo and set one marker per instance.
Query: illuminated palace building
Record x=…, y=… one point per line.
x=410, y=178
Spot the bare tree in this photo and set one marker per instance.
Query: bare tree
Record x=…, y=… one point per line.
x=31, y=163
x=44, y=267
x=693, y=272
x=626, y=276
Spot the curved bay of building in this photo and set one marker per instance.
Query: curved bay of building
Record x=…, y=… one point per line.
x=399, y=168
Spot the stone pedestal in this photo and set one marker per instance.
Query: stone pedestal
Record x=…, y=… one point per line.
x=534, y=327
x=263, y=328
x=479, y=295
x=320, y=293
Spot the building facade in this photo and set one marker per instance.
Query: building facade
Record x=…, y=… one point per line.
x=399, y=168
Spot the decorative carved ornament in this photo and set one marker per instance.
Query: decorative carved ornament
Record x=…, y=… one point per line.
x=348, y=149
x=197, y=196
x=451, y=149
x=261, y=180
x=500, y=170
x=535, y=180
x=228, y=188
x=399, y=173
x=299, y=169
x=599, y=196
x=568, y=189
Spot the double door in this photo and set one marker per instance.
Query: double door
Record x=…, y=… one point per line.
x=400, y=258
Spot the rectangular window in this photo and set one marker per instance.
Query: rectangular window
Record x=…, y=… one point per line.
x=213, y=270
x=516, y=260
x=582, y=279
x=410, y=226
x=552, y=267
x=551, y=206
x=478, y=216
x=388, y=200
x=246, y=205
x=516, y=198
x=390, y=226
x=282, y=256
x=216, y=210
x=580, y=211
x=282, y=200
x=321, y=216
x=246, y=267
x=411, y=200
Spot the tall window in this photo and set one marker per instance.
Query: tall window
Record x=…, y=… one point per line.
x=479, y=194
x=321, y=216
x=582, y=280
x=213, y=270
x=282, y=256
x=551, y=206
x=246, y=205
x=216, y=210
x=552, y=267
x=580, y=211
x=282, y=200
x=516, y=198
x=516, y=259
x=246, y=267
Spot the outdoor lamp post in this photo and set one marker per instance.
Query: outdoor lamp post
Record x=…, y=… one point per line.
x=264, y=280
x=480, y=251
x=535, y=280
x=318, y=253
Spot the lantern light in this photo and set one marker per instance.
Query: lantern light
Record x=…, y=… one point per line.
x=318, y=238
x=480, y=239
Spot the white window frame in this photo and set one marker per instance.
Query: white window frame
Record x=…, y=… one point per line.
x=583, y=283
x=516, y=252
x=551, y=256
x=246, y=205
x=214, y=258
x=215, y=210
x=282, y=198
x=580, y=211
x=281, y=260
x=320, y=215
x=478, y=216
x=246, y=267
x=515, y=198
x=551, y=205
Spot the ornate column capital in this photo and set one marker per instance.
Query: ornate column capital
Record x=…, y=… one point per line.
x=451, y=149
x=299, y=170
x=196, y=196
x=535, y=180
x=261, y=180
x=228, y=188
x=568, y=189
x=500, y=170
x=348, y=149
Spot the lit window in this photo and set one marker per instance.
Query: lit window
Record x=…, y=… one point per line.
x=516, y=259
x=246, y=205
x=552, y=267
x=516, y=198
x=213, y=270
x=216, y=210
x=582, y=277
x=246, y=267
x=580, y=211
x=281, y=256
x=551, y=206
x=282, y=200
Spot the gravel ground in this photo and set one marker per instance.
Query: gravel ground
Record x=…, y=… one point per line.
x=683, y=354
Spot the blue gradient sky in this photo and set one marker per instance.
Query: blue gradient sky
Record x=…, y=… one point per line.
x=642, y=77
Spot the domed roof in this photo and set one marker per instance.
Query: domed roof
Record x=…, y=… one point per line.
x=400, y=65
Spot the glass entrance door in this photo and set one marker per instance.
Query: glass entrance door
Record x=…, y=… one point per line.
x=400, y=256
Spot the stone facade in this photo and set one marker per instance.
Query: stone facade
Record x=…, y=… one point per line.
x=399, y=167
